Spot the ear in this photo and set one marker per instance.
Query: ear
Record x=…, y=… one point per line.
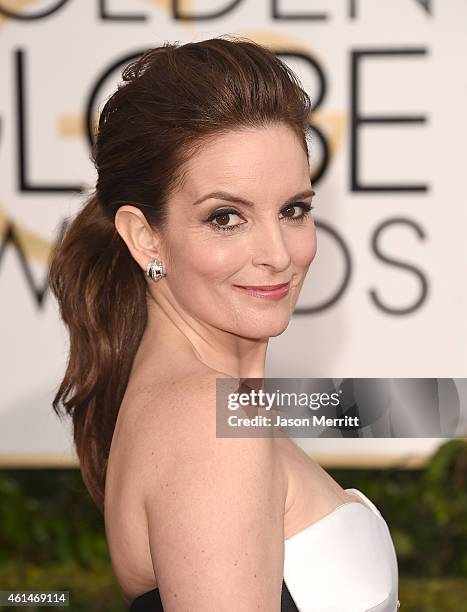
x=141, y=239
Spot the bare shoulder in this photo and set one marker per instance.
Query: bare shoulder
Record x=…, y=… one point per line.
x=182, y=425
x=215, y=508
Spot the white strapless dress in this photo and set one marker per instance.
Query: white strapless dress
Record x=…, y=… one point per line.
x=344, y=562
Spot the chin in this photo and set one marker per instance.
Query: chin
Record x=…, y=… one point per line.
x=279, y=330
x=266, y=330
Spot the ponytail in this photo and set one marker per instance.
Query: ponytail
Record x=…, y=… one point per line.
x=101, y=292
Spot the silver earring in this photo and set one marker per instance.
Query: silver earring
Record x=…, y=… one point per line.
x=155, y=269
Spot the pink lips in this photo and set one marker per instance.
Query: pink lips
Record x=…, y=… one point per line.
x=269, y=292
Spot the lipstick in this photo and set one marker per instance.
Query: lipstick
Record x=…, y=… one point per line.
x=268, y=292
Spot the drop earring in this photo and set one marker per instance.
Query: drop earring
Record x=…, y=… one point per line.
x=155, y=270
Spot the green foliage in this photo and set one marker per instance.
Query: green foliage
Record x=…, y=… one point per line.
x=426, y=510
x=48, y=516
x=435, y=595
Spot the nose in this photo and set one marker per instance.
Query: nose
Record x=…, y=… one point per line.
x=270, y=247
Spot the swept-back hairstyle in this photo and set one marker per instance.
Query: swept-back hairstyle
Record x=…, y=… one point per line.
x=172, y=100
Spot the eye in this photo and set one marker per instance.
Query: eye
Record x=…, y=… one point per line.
x=301, y=207
x=219, y=220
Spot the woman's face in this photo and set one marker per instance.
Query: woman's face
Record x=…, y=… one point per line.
x=213, y=243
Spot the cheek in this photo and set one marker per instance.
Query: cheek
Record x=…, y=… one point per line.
x=210, y=260
x=302, y=247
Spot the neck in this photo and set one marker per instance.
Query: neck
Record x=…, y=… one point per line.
x=220, y=350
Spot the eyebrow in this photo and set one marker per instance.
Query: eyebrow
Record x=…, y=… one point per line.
x=224, y=195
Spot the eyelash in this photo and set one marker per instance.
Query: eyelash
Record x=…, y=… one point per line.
x=306, y=208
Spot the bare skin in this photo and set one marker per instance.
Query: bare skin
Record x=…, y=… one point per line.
x=200, y=327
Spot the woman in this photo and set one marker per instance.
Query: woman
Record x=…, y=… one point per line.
x=203, y=192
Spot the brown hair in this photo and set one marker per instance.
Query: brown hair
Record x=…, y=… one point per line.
x=172, y=100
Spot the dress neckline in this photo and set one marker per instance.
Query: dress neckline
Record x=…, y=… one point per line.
x=366, y=503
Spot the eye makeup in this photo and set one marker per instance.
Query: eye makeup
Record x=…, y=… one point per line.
x=225, y=212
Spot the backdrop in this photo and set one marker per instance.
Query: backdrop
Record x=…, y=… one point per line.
x=386, y=294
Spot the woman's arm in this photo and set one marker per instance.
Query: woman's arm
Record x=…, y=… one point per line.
x=215, y=511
